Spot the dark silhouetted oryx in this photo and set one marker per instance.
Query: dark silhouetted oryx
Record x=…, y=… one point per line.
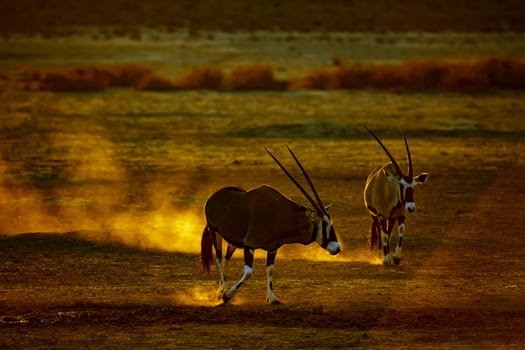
x=262, y=218
x=388, y=194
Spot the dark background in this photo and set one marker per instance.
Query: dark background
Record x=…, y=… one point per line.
x=59, y=17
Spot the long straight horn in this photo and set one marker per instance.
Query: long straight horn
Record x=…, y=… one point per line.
x=316, y=207
x=410, y=168
x=319, y=202
x=386, y=151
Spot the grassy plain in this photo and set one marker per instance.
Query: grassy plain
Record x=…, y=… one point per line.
x=134, y=168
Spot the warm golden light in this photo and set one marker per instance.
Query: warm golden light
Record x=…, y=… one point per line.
x=313, y=252
x=196, y=296
x=168, y=229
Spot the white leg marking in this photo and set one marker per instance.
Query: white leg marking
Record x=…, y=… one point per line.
x=270, y=296
x=247, y=273
x=386, y=260
x=397, y=253
x=385, y=241
x=400, y=231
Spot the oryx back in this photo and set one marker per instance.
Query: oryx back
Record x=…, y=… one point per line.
x=382, y=191
x=226, y=211
x=275, y=220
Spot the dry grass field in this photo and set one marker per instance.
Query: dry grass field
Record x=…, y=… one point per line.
x=102, y=192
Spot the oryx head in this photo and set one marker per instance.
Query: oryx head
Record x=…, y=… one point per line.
x=323, y=225
x=407, y=182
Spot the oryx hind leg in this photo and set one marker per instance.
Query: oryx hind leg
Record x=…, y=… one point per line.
x=400, y=231
x=219, y=261
x=271, y=298
x=383, y=239
x=375, y=233
x=248, y=270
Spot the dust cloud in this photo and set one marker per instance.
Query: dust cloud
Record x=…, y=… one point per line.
x=197, y=296
x=313, y=252
x=97, y=189
x=90, y=192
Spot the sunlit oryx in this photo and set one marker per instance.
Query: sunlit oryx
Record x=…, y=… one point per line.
x=262, y=218
x=388, y=194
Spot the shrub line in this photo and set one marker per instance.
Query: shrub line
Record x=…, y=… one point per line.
x=468, y=76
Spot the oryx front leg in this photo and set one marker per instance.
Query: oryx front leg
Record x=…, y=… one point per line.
x=385, y=238
x=385, y=242
x=248, y=270
x=400, y=231
x=271, y=298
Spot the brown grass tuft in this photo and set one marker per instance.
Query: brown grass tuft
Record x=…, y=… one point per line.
x=80, y=79
x=257, y=76
x=498, y=72
x=421, y=75
x=204, y=77
x=127, y=75
x=156, y=83
x=504, y=71
x=464, y=77
x=323, y=78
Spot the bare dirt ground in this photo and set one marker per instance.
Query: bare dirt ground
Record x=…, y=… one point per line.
x=101, y=198
x=133, y=168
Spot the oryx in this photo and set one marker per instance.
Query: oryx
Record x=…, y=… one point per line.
x=262, y=218
x=388, y=194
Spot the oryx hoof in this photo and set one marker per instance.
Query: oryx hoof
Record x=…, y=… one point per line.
x=272, y=301
x=225, y=299
x=386, y=260
x=220, y=294
x=397, y=261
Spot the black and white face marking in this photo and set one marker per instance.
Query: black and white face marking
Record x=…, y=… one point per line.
x=407, y=193
x=326, y=237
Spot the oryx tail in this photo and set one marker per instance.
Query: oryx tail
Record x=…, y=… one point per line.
x=206, y=257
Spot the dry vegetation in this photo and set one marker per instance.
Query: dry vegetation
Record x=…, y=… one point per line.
x=480, y=75
x=463, y=76
x=202, y=77
x=258, y=76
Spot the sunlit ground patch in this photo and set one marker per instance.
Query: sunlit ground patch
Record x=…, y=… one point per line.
x=204, y=296
x=166, y=229
x=315, y=253
x=196, y=296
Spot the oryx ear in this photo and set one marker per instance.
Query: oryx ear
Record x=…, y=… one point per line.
x=327, y=207
x=390, y=177
x=421, y=178
x=310, y=214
